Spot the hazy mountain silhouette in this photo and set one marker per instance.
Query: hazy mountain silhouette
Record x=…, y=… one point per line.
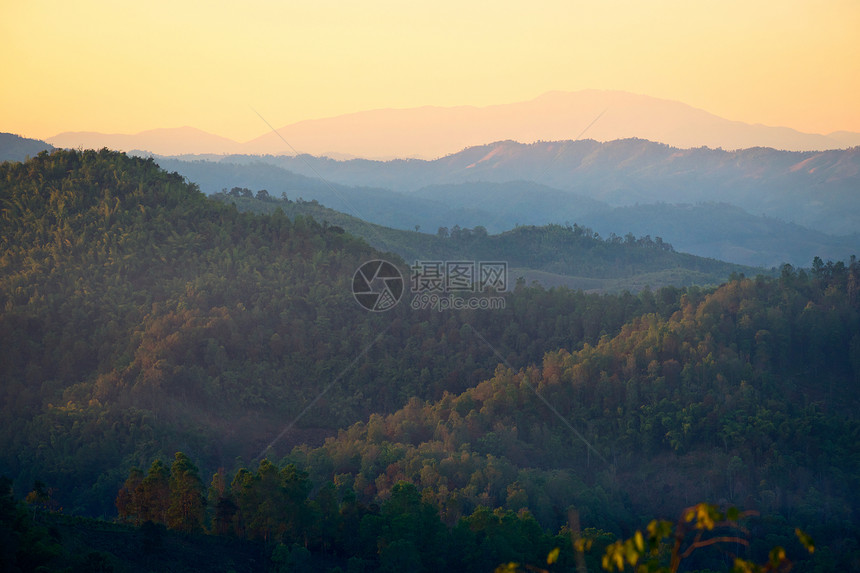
x=16, y=148
x=847, y=138
x=712, y=229
x=171, y=141
x=814, y=189
x=431, y=131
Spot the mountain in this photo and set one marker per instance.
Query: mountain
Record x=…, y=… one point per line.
x=431, y=131
x=811, y=189
x=16, y=148
x=847, y=138
x=733, y=206
x=171, y=141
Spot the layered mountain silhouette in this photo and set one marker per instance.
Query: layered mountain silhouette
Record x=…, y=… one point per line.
x=429, y=132
x=814, y=189
x=755, y=207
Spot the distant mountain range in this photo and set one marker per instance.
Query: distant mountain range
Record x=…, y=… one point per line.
x=756, y=207
x=818, y=190
x=431, y=132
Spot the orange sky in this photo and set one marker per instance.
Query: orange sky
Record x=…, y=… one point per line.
x=118, y=67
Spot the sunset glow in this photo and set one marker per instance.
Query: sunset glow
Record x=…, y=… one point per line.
x=123, y=67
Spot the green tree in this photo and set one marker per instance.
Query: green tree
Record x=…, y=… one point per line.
x=187, y=503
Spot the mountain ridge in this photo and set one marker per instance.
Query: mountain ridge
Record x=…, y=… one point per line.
x=435, y=131
x=812, y=189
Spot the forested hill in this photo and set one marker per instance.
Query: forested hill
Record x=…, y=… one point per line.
x=140, y=318
x=139, y=315
x=570, y=255
x=747, y=396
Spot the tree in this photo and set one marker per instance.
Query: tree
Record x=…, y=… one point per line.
x=126, y=499
x=221, y=502
x=187, y=503
x=152, y=495
x=41, y=497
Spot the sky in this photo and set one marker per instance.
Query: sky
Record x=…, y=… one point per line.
x=125, y=67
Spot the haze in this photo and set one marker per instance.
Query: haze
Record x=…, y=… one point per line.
x=125, y=68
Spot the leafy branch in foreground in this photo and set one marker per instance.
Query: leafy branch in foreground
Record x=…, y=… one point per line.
x=513, y=567
x=647, y=552
x=664, y=545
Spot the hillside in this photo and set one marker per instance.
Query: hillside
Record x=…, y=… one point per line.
x=556, y=255
x=141, y=319
x=130, y=299
x=740, y=397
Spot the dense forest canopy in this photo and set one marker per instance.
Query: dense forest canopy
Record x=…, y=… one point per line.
x=139, y=319
x=136, y=311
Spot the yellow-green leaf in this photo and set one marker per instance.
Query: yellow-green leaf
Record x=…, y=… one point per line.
x=640, y=541
x=805, y=540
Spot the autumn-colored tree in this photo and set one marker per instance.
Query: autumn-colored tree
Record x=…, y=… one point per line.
x=152, y=495
x=126, y=502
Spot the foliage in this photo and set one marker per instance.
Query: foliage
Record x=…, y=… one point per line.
x=664, y=541
x=139, y=318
